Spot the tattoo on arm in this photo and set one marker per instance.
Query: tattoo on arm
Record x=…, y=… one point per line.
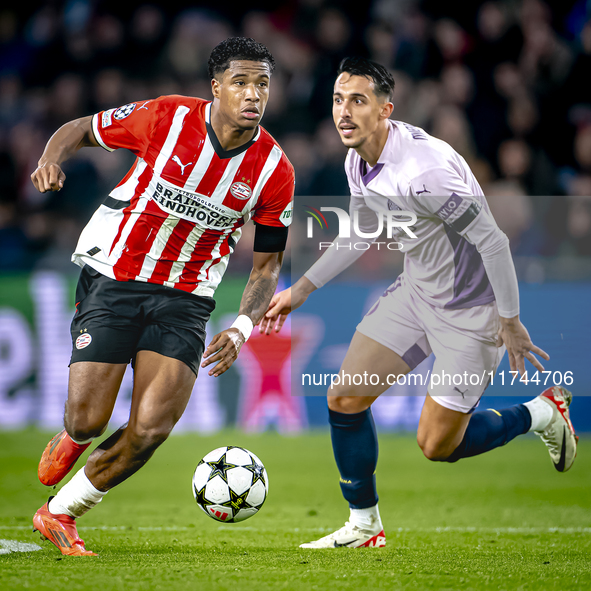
x=258, y=292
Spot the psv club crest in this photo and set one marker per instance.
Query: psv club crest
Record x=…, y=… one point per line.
x=241, y=191
x=83, y=341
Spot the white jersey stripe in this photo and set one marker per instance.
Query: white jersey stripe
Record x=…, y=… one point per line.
x=215, y=253
x=133, y=218
x=158, y=246
x=215, y=272
x=171, y=139
x=270, y=165
x=185, y=255
x=97, y=134
x=126, y=191
x=201, y=166
x=224, y=185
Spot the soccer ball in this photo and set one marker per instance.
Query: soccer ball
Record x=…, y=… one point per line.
x=230, y=484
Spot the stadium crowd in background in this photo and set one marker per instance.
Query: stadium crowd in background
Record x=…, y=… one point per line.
x=504, y=82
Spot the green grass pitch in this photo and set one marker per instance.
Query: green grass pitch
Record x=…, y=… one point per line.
x=505, y=520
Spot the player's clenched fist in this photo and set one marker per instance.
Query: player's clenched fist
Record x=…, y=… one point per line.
x=48, y=177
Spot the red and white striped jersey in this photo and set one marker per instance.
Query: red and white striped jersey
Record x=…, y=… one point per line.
x=177, y=215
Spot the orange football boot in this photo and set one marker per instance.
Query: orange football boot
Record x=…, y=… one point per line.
x=59, y=458
x=60, y=530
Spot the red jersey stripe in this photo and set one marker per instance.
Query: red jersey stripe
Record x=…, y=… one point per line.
x=139, y=241
x=172, y=251
x=215, y=172
x=143, y=182
x=200, y=259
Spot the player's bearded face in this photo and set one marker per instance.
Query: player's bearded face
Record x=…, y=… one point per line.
x=355, y=109
x=243, y=92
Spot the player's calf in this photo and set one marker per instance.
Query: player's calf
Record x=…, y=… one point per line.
x=144, y=441
x=124, y=453
x=448, y=435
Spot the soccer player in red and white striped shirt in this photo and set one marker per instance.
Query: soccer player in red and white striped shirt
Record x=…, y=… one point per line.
x=153, y=255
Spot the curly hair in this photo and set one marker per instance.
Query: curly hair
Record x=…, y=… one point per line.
x=359, y=66
x=237, y=48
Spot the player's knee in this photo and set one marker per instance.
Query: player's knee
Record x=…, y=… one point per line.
x=434, y=450
x=435, y=454
x=81, y=426
x=347, y=404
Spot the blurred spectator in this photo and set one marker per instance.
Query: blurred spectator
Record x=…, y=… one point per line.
x=451, y=125
x=108, y=40
x=449, y=45
x=426, y=99
x=13, y=241
x=299, y=149
x=577, y=92
x=66, y=101
x=579, y=224
x=12, y=109
x=195, y=33
x=512, y=210
x=330, y=178
x=575, y=179
x=583, y=148
x=514, y=162
x=457, y=85
x=411, y=54
x=404, y=96
x=381, y=43
x=146, y=37
x=108, y=89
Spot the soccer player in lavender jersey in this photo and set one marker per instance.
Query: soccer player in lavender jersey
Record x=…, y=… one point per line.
x=152, y=256
x=457, y=297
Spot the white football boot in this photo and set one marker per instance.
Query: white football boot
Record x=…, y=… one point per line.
x=349, y=536
x=559, y=436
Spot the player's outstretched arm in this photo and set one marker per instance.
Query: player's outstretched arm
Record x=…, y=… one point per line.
x=66, y=141
x=519, y=345
x=262, y=283
x=285, y=302
x=493, y=246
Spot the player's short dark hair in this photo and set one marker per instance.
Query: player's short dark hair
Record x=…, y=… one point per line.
x=237, y=48
x=360, y=66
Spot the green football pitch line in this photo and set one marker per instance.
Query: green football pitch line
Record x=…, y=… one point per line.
x=505, y=520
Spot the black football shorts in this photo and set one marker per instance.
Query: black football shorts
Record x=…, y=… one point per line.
x=116, y=319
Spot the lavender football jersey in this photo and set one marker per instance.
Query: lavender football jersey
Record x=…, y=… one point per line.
x=422, y=174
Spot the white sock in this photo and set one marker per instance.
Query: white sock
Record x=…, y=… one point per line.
x=76, y=497
x=541, y=413
x=367, y=519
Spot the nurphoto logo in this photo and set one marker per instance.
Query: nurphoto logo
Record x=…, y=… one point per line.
x=393, y=220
